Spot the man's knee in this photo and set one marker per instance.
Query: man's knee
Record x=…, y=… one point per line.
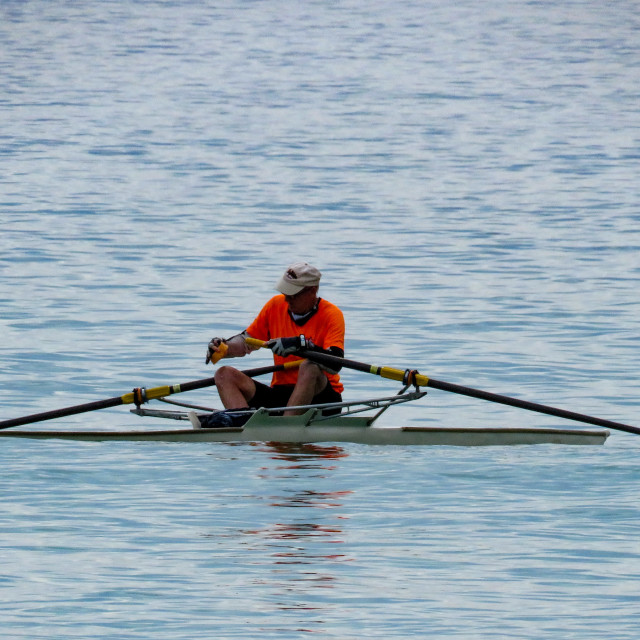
x=311, y=374
x=309, y=369
x=226, y=375
x=231, y=378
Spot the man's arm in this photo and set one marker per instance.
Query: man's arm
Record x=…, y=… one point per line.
x=233, y=347
x=288, y=346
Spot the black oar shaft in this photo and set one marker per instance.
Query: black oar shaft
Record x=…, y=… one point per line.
x=129, y=398
x=398, y=374
x=59, y=413
x=530, y=406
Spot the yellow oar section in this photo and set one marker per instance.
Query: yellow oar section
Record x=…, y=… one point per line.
x=383, y=372
x=411, y=377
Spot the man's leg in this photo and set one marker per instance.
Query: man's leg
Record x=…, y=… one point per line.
x=234, y=388
x=311, y=381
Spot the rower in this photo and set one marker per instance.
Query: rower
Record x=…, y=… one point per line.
x=294, y=319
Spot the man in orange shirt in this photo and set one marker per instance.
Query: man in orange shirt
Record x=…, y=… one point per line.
x=295, y=319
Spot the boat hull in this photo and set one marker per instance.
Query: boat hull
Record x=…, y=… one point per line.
x=302, y=429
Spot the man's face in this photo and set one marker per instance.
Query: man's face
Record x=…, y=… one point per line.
x=303, y=301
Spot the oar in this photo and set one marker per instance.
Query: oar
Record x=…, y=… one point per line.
x=138, y=396
x=424, y=381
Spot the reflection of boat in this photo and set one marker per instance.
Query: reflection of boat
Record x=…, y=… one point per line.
x=312, y=426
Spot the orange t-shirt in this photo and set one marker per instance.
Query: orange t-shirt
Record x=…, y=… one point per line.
x=325, y=329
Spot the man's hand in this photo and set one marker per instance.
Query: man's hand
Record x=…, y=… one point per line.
x=216, y=349
x=286, y=346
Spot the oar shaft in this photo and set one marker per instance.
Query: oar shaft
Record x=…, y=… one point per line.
x=424, y=381
x=60, y=413
x=130, y=398
x=530, y=406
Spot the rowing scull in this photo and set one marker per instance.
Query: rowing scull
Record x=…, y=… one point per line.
x=313, y=427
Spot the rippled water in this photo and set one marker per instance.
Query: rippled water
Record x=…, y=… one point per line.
x=466, y=179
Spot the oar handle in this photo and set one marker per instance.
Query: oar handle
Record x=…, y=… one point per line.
x=254, y=342
x=212, y=358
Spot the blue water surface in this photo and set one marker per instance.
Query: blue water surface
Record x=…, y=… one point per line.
x=465, y=176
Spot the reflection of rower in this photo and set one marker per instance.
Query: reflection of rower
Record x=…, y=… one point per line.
x=304, y=452
x=296, y=319
x=308, y=534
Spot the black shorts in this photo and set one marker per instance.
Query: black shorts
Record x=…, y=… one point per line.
x=279, y=394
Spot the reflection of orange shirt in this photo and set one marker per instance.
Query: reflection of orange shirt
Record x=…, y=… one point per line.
x=325, y=329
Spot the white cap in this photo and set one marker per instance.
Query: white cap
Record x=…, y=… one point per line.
x=298, y=276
